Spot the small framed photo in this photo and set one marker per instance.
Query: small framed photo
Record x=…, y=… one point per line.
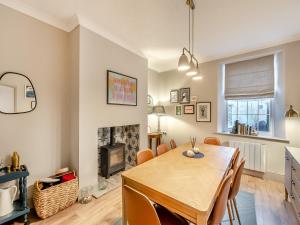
x=203, y=112
x=188, y=109
x=184, y=95
x=178, y=110
x=29, y=91
x=174, y=96
x=194, y=98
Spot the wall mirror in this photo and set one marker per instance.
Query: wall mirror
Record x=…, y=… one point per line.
x=17, y=94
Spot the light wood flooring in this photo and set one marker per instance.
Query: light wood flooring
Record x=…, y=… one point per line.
x=271, y=209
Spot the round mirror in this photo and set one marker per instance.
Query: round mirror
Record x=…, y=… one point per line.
x=17, y=94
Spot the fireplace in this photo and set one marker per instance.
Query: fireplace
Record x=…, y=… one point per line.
x=116, y=144
x=112, y=159
x=112, y=156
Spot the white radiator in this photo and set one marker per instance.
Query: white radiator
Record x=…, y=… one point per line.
x=253, y=153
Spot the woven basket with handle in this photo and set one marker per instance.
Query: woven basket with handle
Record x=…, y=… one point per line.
x=51, y=200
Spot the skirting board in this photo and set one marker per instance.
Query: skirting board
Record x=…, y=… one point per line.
x=266, y=176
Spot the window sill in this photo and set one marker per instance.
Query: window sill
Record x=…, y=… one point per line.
x=266, y=138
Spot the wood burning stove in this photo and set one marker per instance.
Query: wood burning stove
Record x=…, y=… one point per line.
x=112, y=156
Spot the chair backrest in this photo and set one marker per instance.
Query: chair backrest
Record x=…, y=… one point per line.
x=221, y=202
x=235, y=162
x=173, y=144
x=161, y=149
x=212, y=141
x=235, y=186
x=143, y=156
x=139, y=209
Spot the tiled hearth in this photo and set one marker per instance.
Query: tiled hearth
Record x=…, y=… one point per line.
x=129, y=135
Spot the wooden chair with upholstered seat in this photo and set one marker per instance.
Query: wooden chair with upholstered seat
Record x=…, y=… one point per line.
x=212, y=141
x=140, y=211
x=161, y=149
x=221, y=203
x=173, y=144
x=234, y=190
x=143, y=156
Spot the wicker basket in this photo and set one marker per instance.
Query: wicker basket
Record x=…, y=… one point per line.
x=51, y=200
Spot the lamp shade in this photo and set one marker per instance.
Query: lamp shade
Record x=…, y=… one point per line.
x=291, y=112
x=159, y=110
x=193, y=69
x=183, y=63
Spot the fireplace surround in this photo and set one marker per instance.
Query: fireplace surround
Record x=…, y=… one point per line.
x=128, y=135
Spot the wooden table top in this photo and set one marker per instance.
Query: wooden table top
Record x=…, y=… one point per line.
x=188, y=181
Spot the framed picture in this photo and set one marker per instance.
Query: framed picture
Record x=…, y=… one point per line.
x=29, y=91
x=184, y=95
x=203, y=111
x=174, y=96
x=188, y=109
x=149, y=104
x=33, y=104
x=194, y=98
x=178, y=110
x=121, y=89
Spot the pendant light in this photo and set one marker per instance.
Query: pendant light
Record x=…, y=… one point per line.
x=291, y=113
x=185, y=63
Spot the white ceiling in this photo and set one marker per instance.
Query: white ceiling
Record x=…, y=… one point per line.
x=157, y=29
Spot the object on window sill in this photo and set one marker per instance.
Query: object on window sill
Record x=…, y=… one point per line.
x=243, y=129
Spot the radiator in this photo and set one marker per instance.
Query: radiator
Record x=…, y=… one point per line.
x=253, y=153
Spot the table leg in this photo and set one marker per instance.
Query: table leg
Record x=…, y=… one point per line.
x=201, y=220
x=150, y=142
x=124, y=218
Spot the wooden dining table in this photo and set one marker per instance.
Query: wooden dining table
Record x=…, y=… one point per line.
x=186, y=186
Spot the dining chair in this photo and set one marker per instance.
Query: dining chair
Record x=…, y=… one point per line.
x=234, y=190
x=139, y=210
x=143, y=156
x=173, y=144
x=161, y=149
x=212, y=141
x=221, y=203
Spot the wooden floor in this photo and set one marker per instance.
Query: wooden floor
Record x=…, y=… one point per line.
x=271, y=209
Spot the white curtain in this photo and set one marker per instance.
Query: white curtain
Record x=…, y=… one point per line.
x=252, y=78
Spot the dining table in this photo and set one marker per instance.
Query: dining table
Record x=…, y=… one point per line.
x=186, y=186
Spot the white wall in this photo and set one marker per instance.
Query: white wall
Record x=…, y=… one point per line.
x=39, y=51
x=97, y=55
x=182, y=127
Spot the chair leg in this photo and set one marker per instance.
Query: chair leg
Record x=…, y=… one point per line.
x=231, y=204
x=236, y=210
x=229, y=213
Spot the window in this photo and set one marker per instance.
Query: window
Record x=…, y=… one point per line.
x=253, y=112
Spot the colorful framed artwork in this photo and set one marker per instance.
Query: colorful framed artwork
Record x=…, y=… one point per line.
x=188, y=109
x=203, y=112
x=178, y=110
x=121, y=89
x=184, y=95
x=174, y=94
x=29, y=91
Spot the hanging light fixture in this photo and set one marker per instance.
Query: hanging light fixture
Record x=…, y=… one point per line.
x=291, y=112
x=187, y=61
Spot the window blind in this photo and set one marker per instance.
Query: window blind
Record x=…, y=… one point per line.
x=252, y=78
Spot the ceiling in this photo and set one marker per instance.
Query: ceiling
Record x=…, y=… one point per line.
x=157, y=29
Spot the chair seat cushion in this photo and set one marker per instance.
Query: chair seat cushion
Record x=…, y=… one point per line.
x=168, y=218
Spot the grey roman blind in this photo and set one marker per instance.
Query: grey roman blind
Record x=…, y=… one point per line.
x=252, y=78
